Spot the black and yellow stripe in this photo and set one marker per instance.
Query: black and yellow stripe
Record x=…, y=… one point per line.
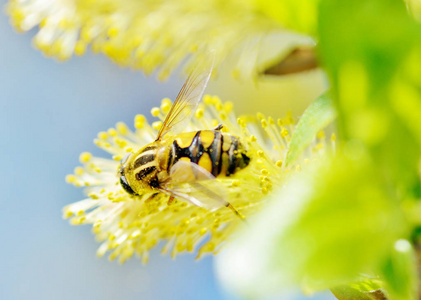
x=219, y=153
x=145, y=167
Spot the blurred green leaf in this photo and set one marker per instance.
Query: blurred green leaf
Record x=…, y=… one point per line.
x=317, y=116
x=349, y=293
x=368, y=288
x=346, y=292
x=414, y=6
x=374, y=67
x=400, y=272
x=323, y=230
x=375, y=70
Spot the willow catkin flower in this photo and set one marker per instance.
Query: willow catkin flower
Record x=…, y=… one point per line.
x=156, y=34
x=132, y=225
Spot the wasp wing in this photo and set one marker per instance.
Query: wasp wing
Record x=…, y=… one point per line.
x=187, y=100
x=196, y=185
x=197, y=195
x=186, y=171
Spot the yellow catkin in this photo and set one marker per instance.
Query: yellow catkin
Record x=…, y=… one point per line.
x=130, y=225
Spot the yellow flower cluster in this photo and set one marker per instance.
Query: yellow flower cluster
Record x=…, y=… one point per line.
x=132, y=225
x=141, y=34
x=157, y=34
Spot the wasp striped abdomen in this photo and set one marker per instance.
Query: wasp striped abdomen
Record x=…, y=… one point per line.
x=218, y=153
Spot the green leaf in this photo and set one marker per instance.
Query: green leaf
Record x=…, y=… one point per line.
x=316, y=117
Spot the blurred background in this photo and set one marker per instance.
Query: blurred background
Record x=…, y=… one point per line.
x=49, y=113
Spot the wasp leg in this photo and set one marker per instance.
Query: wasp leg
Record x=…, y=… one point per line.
x=170, y=200
x=218, y=127
x=236, y=212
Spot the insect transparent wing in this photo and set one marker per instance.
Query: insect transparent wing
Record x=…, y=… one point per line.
x=186, y=172
x=209, y=196
x=195, y=185
x=187, y=100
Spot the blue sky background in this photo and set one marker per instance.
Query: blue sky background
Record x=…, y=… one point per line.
x=49, y=113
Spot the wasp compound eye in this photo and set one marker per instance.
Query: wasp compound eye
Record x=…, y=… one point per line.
x=126, y=186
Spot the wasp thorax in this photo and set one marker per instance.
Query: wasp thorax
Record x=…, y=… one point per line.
x=138, y=171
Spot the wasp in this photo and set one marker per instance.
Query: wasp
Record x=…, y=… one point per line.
x=184, y=165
